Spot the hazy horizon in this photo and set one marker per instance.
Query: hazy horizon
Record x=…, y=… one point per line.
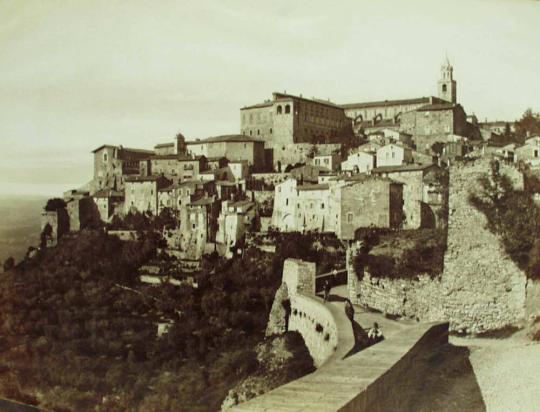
x=75, y=75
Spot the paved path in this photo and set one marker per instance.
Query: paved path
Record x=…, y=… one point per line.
x=507, y=371
x=10, y=406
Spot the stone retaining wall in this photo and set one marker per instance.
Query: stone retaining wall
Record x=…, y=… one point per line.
x=317, y=326
x=358, y=383
x=480, y=289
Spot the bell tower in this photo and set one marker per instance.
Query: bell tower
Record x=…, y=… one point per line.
x=446, y=84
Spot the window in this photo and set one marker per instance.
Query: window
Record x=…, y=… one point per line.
x=350, y=217
x=250, y=132
x=105, y=157
x=444, y=88
x=287, y=109
x=322, y=205
x=270, y=130
x=286, y=202
x=326, y=161
x=536, y=153
x=279, y=110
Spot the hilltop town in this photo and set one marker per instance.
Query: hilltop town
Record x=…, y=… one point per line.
x=177, y=263
x=295, y=165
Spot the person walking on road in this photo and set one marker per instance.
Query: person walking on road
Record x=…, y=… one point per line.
x=327, y=288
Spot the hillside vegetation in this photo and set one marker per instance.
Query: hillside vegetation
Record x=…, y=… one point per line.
x=74, y=340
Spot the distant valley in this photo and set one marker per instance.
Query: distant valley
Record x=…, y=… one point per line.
x=19, y=225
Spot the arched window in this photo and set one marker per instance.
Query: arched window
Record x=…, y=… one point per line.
x=287, y=109
x=279, y=110
x=444, y=88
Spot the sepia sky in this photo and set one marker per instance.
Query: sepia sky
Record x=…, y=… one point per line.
x=77, y=74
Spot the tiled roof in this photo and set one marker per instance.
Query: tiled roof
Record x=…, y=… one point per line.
x=240, y=203
x=402, y=168
x=227, y=138
x=202, y=201
x=108, y=193
x=437, y=106
x=159, y=145
x=258, y=105
x=417, y=100
x=322, y=186
x=125, y=149
x=280, y=96
x=136, y=178
x=361, y=178
x=179, y=157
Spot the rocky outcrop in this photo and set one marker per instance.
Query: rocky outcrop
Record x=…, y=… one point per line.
x=279, y=314
x=281, y=359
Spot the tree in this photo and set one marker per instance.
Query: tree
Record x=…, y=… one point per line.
x=529, y=124
x=9, y=264
x=55, y=204
x=512, y=215
x=437, y=148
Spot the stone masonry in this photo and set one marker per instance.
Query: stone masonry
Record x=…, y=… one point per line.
x=299, y=277
x=480, y=289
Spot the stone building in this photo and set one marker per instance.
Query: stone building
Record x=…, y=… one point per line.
x=198, y=226
x=366, y=201
x=300, y=208
x=435, y=123
x=287, y=121
x=339, y=207
x=178, y=167
x=234, y=220
x=141, y=193
x=233, y=147
x=107, y=201
x=177, y=195
x=112, y=164
x=331, y=161
x=379, y=115
x=394, y=154
x=390, y=114
x=359, y=162
x=529, y=152
x=421, y=196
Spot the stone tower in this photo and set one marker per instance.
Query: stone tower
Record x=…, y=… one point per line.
x=446, y=84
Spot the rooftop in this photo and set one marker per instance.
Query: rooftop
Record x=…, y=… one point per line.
x=437, y=106
x=226, y=138
x=124, y=149
x=280, y=96
x=417, y=100
x=203, y=201
x=151, y=178
x=402, y=168
x=179, y=157
x=322, y=186
x=108, y=193
x=241, y=203
x=159, y=145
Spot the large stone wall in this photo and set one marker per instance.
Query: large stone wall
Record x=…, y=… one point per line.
x=320, y=325
x=480, y=289
x=365, y=381
x=317, y=326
